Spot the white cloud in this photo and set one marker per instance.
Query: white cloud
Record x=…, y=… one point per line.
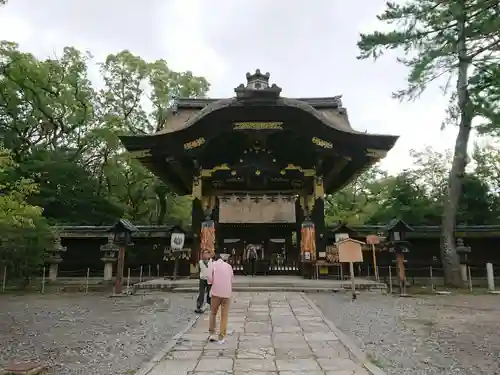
x=14, y=28
x=182, y=37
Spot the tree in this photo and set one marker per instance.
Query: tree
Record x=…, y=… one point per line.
x=406, y=199
x=443, y=39
x=416, y=194
x=48, y=103
x=67, y=192
x=487, y=160
x=25, y=234
x=63, y=133
x=356, y=202
x=131, y=84
x=478, y=206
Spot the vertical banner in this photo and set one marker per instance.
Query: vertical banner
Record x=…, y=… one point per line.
x=207, y=237
x=308, y=242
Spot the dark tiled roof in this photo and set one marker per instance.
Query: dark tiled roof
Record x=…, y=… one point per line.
x=199, y=103
x=421, y=228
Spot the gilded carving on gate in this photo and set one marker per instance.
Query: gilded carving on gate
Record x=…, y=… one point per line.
x=197, y=187
x=319, y=190
x=322, y=143
x=194, y=144
x=305, y=172
x=209, y=172
x=258, y=126
x=140, y=154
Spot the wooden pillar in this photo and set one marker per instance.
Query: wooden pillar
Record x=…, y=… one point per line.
x=318, y=216
x=219, y=241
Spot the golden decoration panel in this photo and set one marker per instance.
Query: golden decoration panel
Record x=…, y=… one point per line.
x=140, y=154
x=209, y=172
x=305, y=172
x=258, y=126
x=322, y=143
x=194, y=144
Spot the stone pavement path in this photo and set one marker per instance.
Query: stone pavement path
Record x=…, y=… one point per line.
x=272, y=333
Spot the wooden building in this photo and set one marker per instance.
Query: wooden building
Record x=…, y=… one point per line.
x=84, y=249
x=258, y=166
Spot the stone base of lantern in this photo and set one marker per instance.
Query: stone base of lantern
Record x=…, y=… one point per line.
x=53, y=271
x=463, y=273
x=108, y=271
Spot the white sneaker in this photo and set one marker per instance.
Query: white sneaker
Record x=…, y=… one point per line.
x=213, y=338
x=221, y=342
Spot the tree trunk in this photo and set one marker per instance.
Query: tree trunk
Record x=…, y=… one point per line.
x=449, y=256
x=162, y=213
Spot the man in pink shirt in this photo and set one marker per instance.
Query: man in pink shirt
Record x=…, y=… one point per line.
x=220, y=276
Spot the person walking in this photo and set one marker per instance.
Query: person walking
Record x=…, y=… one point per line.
x=220, y=276
x=252, y=258
x=204, y=286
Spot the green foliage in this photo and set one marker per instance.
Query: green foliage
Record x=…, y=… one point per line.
x=67, y=191
x=453, y=43
x=428, y=33
x=416, y=195
x=25, y=234
x=487, y=164
x=356, y=202
x=63, y=132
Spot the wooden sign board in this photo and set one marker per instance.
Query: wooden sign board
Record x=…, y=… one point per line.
x=350, y=251
x=372, y=239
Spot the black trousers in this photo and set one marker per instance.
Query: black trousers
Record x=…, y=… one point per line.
x=253, y=266
x=203, y=289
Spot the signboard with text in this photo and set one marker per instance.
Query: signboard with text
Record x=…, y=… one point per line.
x=350, y=251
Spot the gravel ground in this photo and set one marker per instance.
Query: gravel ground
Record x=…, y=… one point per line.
x=91, y=334
x=452, y=335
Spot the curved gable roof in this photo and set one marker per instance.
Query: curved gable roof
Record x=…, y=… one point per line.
x=332, y=117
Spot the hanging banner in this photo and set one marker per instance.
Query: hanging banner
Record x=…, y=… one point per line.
x=308, y=241
x=372, y=239
x=177, y=241
x=207, y=237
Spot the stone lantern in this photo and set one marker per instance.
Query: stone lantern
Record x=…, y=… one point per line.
x=110, y=253
x=462, y=252
x=397, y=230
x=55, y=257
x=122, y=232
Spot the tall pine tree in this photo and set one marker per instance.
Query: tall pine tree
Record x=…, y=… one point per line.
x=451, y=41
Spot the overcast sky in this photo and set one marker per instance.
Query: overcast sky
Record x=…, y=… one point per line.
x=309, y=47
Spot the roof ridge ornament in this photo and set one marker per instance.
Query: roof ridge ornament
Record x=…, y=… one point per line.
x=257, y=87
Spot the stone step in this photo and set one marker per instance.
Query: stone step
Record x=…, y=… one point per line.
x=303, y=287
x=281, y=289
